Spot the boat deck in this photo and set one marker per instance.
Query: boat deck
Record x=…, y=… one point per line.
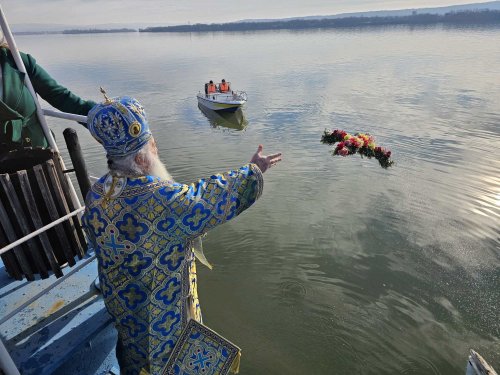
x=66, y=331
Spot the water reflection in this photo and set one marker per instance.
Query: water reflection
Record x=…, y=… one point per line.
x=232, y=120
x=340, y=265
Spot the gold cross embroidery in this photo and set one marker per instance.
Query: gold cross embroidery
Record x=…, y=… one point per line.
x=130, y=228
x=96, y=223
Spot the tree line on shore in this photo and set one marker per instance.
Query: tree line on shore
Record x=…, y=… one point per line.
x=452, y=19
x=486, y=17
x=98, y=31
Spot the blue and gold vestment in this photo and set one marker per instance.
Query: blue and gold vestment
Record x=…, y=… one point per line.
x=142, y=231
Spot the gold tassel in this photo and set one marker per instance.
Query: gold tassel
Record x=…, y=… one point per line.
x=235, y=366
x=143, y=372
x=108, y=195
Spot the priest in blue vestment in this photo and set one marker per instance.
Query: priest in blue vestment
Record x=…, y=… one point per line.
x=144, y=228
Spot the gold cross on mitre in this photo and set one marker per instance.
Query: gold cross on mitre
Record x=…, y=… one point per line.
x=106, y=99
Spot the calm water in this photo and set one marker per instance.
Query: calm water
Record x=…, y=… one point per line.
x=342, y=266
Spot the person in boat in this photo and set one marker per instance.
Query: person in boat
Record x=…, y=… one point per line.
x=224, y=86
x=211, y=88
x=19, y=124
x=142, y=226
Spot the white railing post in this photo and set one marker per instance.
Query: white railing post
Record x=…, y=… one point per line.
x=64, y=115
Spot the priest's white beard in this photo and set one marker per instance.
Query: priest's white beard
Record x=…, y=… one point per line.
x=157, y=168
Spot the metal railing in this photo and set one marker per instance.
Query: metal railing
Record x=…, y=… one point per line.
x=7, y=365
x=40, y=230
x=6, y=362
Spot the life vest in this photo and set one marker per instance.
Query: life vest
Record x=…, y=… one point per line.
x=211, y=88
x=224, y=87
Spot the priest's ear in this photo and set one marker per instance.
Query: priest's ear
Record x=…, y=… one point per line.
x=145, y=155
x=142, y=160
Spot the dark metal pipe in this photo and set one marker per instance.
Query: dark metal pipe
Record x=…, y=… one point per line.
x=75, y=152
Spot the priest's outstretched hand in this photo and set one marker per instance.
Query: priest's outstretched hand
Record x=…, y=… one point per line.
x=265, y=162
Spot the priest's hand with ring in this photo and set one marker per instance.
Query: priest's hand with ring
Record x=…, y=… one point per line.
x=265, y=162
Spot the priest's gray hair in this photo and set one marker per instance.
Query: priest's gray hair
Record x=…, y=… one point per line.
x=126, y=165
x=150, y=163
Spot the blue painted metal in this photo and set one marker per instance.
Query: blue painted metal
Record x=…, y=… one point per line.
x=66, y=331
x=97, y=356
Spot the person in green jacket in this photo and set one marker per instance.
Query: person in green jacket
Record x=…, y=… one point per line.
x=19, y=124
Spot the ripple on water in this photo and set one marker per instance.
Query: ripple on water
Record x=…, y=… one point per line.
x=292, y=290
x=427, y=228
x=343, y=347
x=418, y=365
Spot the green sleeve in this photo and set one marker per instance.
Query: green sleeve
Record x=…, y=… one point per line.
x=56, y=95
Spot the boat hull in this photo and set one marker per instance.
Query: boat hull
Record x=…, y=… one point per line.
x=220, y=102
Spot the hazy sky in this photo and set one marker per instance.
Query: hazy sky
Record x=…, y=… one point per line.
x=90, y=12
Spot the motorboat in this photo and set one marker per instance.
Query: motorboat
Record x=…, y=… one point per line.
x=219, y=101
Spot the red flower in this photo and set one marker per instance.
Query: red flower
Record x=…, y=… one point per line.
x=343, y=151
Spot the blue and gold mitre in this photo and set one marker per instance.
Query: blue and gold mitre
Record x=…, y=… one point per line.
x=120, y=125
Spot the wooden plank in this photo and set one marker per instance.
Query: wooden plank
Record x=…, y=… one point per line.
x=69, y=200
x=21, y=222
x=76, y=155
x=9, y=259
x=18, y=250
x=52, y=211
x=37, y=222
x=60, y=200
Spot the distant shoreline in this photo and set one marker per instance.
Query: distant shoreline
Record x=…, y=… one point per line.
x=465, y=18
x=98, y=31
x=453, y=19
